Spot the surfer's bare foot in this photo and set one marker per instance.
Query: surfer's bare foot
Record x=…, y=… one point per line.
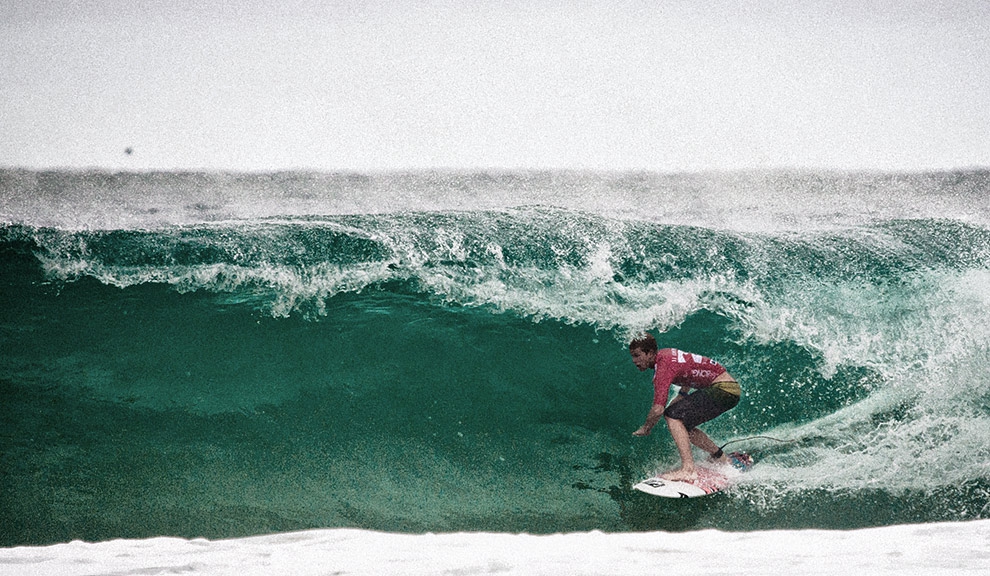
x=681, y=475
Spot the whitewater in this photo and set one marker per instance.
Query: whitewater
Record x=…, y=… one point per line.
x=426, y=372
x=958, y=548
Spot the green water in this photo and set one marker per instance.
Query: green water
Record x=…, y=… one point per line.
x=467, y=370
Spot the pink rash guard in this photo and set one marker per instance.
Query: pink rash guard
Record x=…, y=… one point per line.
x=683, y=369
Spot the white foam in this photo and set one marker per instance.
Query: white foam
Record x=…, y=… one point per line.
x=944, y=549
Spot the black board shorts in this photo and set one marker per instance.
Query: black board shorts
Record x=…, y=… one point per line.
x=705, y=404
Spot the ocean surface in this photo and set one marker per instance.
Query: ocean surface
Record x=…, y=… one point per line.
x=216, y=355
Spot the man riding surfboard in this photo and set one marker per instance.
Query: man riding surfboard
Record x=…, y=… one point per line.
x=715, y=392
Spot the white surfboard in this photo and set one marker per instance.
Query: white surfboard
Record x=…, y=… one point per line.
x=709, y=481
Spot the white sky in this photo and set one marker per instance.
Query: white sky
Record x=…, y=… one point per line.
x=393, y=84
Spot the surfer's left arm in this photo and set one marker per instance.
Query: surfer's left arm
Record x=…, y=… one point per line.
x=652, y=417
x=655, y=414
x=661, y=394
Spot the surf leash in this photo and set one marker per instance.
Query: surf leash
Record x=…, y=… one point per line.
x=757, y=438
x=719, y=453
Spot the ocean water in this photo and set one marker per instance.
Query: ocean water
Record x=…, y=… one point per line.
x=213, y=355
x=946, y=549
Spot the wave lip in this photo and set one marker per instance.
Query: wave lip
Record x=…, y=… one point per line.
x=772, y=201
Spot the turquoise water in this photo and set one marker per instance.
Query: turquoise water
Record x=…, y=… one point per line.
x=222, y=355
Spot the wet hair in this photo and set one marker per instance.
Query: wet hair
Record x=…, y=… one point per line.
x=644, y=342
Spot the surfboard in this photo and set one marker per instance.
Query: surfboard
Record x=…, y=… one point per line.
x=710, y=480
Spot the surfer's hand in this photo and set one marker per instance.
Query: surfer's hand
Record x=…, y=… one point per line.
x=643, y=431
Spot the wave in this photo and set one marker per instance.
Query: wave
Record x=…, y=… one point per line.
x=518, y=257
x=494, y=339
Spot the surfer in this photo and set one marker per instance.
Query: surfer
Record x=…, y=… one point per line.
x=715, y=392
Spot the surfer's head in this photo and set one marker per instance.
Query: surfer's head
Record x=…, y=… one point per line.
x=644, y=342
x=643, y=350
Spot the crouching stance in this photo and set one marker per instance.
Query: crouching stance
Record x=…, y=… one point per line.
x=714, y=392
